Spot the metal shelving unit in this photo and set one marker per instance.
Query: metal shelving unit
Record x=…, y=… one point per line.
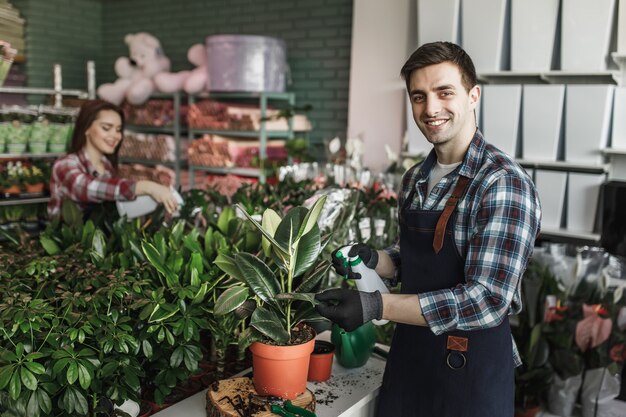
x=58, y=93
x=263, y=98
x=176, y=130
x=21, y=200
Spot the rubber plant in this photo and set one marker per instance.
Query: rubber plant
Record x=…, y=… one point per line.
x=281, y=285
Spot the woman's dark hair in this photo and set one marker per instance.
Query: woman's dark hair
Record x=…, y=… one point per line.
x=436, y=53
x=88, y=113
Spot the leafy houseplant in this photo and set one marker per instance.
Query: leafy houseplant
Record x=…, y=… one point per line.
x=280, y=286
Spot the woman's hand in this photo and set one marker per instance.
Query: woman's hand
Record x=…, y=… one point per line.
x=161, y=194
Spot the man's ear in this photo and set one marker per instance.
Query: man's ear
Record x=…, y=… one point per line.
x=474, y=95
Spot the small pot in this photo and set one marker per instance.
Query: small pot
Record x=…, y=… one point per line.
x=321, y=363
x=34, y=188
x=528, y=412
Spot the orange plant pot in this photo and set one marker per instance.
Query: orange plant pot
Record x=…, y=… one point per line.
x=14, y=189
x=34, y=188
x=281, y=371
x=321, y=363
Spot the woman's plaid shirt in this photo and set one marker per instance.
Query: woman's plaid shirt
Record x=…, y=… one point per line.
x=74, y=177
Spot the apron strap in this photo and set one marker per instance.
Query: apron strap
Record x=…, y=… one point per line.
x=440, y=230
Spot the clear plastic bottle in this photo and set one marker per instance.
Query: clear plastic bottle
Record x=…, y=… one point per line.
x=370, y=281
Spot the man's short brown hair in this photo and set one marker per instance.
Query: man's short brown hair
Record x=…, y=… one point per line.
x=436, y=53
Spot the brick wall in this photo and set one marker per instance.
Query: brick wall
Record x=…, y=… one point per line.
x=68, y=32
x=318, y=35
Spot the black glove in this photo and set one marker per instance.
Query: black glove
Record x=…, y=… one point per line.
x=349, y=308
x=368, y=255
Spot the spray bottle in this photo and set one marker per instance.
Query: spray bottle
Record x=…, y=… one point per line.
x=370, y=281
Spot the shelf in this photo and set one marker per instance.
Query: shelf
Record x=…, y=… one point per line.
x=31, y=155
x=277, y=134
x=152, y=129
x=570, y=235
x=43, y=91
x=551, y=77
x=244, y=172
x=17, y=200
x=564, y=166
x=150, y=162
x=613, y=151
x=242, y=94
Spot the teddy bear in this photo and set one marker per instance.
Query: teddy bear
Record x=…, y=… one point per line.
x=193, y=81
x=136, y=74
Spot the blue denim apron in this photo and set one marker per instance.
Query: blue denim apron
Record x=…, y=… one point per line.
x=455, y=374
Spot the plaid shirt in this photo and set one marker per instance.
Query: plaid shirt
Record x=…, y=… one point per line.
x=74, y=177
x=497, y=222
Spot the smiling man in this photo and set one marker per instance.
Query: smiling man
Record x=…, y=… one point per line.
x=469, y=216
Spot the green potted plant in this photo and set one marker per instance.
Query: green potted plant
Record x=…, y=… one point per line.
x=281, y=289
x=34, y=178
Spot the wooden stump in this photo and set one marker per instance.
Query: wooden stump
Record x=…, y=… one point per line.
x=236, y=397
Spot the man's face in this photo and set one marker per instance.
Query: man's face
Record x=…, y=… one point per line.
x=442, y=108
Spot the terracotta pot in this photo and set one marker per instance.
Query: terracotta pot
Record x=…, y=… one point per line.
x=528, y=412
x=321, y=363
x=281, y=371
x=34, y=188
x=14, y=189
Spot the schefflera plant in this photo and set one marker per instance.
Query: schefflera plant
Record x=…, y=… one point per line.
x=281, y=284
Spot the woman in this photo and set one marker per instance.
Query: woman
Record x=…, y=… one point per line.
x=87, y=174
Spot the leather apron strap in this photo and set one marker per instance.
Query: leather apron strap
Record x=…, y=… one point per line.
x=440, y=230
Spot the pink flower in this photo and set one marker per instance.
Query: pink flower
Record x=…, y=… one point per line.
x=593, y=330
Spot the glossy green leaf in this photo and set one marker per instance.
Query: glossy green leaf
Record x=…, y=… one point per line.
x=15, y=387
x=270, y=223
x=308, y=251
x=71, y=214
x=267, y=322
x=80, y=402
x=249, y=336
x=311, y=217
x=313, y=278
x=195, y=262
x=98, y=244
x=287, y=230
x=230, y=267
x=5, y=375
x=88, y=232
x=28, y=378
x=59, y=365
x=84, y=377
x=147, y=348
x=164, y=312
x=156, y=259
x=190, y=241
x=175, y=263
x=224, y=219
x=177, y=231
x=276, y=246
x=308, y=297
x=131, y=377
x=170, y=337
x=32, y=408
x=72, y=373
x=230, y=299
x=200, y=294
x=209, y=252
x=45, y=403
x=306, y=313
x=49, y=245
x=260, y=277
x=177, y=357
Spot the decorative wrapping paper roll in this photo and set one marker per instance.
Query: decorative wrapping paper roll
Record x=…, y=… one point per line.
x=246, y=63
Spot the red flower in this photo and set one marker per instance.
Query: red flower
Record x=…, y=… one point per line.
x=618, y=353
